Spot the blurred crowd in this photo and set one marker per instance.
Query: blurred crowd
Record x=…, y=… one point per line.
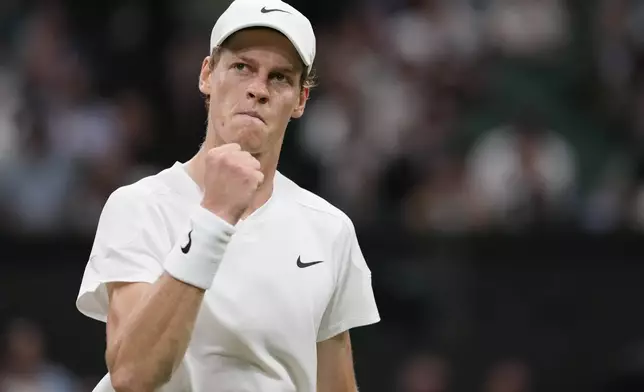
x=436, y=115
x=483, y=115
x=25, y=366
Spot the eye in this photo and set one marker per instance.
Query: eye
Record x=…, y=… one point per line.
x=281, y=78
x=239, y=66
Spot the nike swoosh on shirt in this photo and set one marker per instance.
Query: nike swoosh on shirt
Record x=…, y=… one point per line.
x=305, y=265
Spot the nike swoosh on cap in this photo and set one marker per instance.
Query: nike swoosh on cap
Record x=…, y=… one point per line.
x=265, y=10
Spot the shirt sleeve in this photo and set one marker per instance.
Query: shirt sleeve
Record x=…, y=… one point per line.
x=353, y=303
x=127, y=248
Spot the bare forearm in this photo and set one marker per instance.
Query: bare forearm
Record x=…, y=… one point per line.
x=153, y=339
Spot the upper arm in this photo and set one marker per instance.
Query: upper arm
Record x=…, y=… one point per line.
x=128, y=248
x=122, y=298
x=335, y=365
x=352, y=303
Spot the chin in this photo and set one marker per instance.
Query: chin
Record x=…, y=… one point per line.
x=250, y=138
x=252, y=147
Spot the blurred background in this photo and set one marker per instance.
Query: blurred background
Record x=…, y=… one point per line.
x=490, y=153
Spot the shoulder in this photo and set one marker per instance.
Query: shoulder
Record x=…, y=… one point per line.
x=135, y=196
x=134, y=207
x=315, y=209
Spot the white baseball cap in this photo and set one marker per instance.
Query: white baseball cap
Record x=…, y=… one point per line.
x=274, y=14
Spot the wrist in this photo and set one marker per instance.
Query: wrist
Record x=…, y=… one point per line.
x=196, y=257
x=226, y=216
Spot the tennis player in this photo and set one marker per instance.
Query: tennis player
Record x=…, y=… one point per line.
x=221, y=274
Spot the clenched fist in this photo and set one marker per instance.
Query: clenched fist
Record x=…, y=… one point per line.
x=231, y=180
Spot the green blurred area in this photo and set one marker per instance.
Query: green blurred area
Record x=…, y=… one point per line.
x=561, y=88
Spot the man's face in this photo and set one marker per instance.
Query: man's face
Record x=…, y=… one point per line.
x=254, y=90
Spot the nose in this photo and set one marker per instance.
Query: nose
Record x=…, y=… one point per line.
x=257, y=91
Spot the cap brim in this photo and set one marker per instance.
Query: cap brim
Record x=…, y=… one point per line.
x=273, y=26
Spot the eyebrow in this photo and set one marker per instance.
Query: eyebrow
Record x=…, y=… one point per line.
x=287, y=69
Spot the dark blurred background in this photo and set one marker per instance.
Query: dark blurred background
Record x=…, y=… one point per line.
x=490, y=153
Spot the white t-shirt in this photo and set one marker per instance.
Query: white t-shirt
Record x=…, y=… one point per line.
x=259, y=323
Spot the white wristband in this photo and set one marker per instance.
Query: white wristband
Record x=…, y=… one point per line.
x=196, y=259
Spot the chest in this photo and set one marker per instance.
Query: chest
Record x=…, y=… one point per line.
x=276, y=278
x=272, y=288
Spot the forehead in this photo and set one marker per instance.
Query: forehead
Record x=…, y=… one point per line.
x=267, y=41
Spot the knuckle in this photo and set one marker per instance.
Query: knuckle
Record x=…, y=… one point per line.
x=247, y=157
x=216, y=156
x=221, y=159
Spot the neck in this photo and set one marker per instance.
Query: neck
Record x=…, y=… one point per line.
x=196, y=168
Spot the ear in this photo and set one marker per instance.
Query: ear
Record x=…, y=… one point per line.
x=204, y=76
x=299, y=109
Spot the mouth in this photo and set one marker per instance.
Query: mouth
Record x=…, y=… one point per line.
x=254, y=114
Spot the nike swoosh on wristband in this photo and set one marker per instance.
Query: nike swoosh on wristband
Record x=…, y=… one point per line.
x=185, y=249
x=304, y=265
